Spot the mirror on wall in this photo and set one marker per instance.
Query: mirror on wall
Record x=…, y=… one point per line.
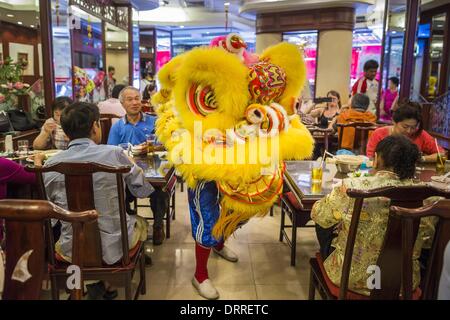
x=87, y=55
x=21, y=57
x=117, y=61
x=62, y=22
x=394, y=38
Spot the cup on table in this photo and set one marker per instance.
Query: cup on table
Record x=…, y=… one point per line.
x=316, y=177
x=440, y=164
x=22, y=147
x=151, y=138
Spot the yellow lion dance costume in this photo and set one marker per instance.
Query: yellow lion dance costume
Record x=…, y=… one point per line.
x=215, y=112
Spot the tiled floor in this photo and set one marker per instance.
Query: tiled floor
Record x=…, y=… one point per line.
x=262, y=272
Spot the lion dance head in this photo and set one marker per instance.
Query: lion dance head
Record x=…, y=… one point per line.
x=227, y=115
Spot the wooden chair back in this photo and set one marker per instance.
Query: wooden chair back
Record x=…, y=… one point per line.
x=410, y=219
x=391, y=255
x=106, y=124
x=361, y=134
x=326, y=135
x=25, y=244
x=80, y=197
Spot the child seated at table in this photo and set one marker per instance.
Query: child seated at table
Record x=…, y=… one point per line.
x=395, y=163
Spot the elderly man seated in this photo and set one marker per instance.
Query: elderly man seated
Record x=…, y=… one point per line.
x=357, y=113
x=80, y=122
x=135, y=128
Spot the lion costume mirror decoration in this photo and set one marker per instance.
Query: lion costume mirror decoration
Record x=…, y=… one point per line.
x=227, y=116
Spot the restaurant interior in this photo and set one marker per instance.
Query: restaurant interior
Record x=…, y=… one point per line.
x=349, y=100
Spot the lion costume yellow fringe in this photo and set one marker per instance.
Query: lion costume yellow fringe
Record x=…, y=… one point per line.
x=215, y=112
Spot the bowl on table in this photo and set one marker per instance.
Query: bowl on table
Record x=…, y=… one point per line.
x=348, y=163
x=139, y=149
x=441, y=182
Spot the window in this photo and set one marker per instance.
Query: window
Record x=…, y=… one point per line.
x=307, y=39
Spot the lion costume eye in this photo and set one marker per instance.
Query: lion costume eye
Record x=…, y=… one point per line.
x=201, y=100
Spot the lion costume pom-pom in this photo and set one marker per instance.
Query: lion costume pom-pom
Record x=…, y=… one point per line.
x=226, y=115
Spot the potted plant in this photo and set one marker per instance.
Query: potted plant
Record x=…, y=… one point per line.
x=11, y=84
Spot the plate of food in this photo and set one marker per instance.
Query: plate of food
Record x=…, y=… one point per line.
x=358, y=174
x=441, y=182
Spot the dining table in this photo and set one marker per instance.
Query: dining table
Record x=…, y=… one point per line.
x=299, y=185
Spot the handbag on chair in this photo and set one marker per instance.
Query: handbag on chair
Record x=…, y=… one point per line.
x=5, y=123
x=21, y=120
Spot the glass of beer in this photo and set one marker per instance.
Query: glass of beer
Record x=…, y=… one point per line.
x=316, y=173
x=316, y=177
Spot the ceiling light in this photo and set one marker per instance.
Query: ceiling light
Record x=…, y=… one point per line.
x=120, y=48
x=109, y=44
x=19, y=22
x=226, y=4
x=181, y=27
x=207, y=32
x=10, y=15
x=32, y=25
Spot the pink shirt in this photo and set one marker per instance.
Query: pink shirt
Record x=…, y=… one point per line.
x=424, y=141
x=112, y=106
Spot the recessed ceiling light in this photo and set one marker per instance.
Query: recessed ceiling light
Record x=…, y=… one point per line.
x=181, y=27
x=10, y=15
x=19, y=22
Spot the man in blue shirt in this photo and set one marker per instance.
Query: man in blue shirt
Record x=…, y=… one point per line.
x=134, y=128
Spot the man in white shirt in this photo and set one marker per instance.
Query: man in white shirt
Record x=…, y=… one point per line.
x=368, y=85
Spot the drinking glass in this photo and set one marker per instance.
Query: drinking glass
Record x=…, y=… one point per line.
x=23, y=147
x=440, y=164
x=316, y=177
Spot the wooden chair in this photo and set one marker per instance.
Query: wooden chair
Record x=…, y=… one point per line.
x=80, y=197
x=361, y=135
x=106, y=124
x=299, y=217
x=392, y=255
x=325, y=133
x=410, y=220
x=25, y=224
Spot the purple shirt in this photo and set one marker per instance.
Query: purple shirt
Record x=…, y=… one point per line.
x=11, y=171
x=389, y=98
x=15, y=173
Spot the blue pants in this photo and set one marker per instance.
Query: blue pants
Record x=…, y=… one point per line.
x=204, y=210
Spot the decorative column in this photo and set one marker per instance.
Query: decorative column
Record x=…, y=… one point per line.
x=264, y=40
x=334, y=62
x=335, y=27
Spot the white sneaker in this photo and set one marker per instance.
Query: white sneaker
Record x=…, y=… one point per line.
x=206, y=289
x=227, y=254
